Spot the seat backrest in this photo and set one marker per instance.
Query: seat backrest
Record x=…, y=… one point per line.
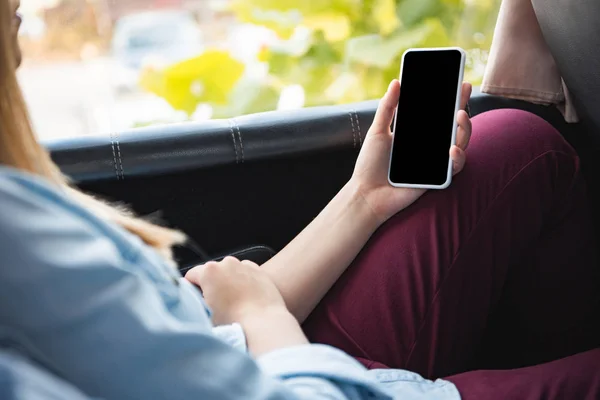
x=572, y=32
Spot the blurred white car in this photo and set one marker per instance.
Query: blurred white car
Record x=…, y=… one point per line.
x=154, y=37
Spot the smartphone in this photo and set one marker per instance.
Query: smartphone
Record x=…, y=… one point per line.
x=425, y=126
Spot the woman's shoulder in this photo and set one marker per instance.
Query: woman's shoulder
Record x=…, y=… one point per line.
x=41, y=221
x=27, y=188
x=30, y=202
x=34, y=210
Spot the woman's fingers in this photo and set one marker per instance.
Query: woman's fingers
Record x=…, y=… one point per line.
x=465, y=96
x=463, y=136
x=194, y=274
x=458, y=159
x=250, y=263
x=386, y=110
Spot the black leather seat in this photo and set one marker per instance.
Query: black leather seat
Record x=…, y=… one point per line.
x=253, y=180
x=253, y=138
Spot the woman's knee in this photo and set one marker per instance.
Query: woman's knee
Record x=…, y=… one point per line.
x=514, y=131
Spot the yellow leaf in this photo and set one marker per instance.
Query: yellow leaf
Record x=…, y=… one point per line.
x=264, y=54
x=384, y=13
x=152, y=81
x=336, y=27
x=208, y=78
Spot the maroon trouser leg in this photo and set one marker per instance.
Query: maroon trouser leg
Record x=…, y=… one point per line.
x=498, y=271
x=573, y=378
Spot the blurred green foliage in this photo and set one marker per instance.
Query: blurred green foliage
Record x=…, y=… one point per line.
x=207, y=78
x=351, y=52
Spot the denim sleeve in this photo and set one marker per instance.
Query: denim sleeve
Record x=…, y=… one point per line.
x=232, y=335
x=22, y=380
x=66, y=294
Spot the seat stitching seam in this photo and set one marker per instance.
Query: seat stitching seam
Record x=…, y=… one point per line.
x=353, y=130
x=119, y=154
x=234, y=142
x=240, y=137
x=359, y=130
x=112, y=145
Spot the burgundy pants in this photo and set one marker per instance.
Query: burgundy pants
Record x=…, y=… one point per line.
x=492, y=284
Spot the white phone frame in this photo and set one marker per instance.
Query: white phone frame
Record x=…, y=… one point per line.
x=454, y=128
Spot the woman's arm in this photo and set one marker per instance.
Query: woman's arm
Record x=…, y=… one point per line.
x=307, y=268
x=73, y=292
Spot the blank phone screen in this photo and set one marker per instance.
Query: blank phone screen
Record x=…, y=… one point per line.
x=425, y=121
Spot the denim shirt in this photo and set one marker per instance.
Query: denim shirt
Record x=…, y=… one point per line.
x=101, y=310
x=22, y=379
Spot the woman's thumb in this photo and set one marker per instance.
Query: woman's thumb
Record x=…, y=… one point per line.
x=386, y=110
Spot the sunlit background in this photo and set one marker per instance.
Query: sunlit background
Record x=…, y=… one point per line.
x=96, y=66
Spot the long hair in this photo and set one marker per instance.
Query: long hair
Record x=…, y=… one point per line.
x=20, y=149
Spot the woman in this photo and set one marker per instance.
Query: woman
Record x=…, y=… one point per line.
x=441, y=288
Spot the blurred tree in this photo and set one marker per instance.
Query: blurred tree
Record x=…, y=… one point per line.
x=352, y=48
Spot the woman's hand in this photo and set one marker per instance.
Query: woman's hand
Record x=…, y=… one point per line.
x=235, y=290
x=371, y=172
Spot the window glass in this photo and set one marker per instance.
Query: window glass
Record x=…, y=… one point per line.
x=98, y=66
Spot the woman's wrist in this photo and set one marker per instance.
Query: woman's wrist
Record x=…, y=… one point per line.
x=358, y=197
x=271, y=329
x=249, y=314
